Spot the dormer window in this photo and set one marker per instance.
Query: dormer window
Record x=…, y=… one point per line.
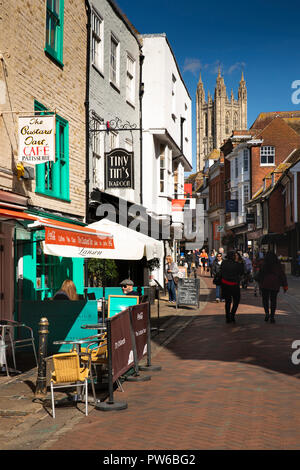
x=267, y=156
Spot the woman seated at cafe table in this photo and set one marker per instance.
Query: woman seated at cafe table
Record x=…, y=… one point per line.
x=67, y=291
x=127, y=287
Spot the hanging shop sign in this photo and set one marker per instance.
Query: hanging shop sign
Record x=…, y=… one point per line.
x=119, y=169
x=36, y=139
x=232, y=205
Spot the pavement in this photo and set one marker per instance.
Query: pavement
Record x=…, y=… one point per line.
x=221, y=386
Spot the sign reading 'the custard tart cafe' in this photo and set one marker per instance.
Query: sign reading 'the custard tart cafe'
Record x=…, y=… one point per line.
x=119, y=169
x=36, y=139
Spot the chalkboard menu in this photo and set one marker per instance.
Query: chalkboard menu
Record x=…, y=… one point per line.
x=188, y=292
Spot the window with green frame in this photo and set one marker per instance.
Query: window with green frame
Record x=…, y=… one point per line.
x=54, y=29
x=47, y=271
x=52, y=178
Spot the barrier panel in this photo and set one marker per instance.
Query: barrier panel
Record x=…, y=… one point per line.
x=120, y=355
x=65, y=318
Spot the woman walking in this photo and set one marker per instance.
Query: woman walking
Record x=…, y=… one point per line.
x=204, y=260
x=231, y=272
x=216, y=273
x=211, y=259
x=270, y=277
x=171, y=270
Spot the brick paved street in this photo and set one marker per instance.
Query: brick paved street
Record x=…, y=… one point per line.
x=222, y=386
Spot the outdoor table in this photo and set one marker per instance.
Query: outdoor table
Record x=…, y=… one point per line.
x=96, y=326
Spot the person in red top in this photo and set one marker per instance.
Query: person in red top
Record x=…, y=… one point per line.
x=271, y=277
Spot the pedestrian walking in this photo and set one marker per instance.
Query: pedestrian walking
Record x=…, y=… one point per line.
x=271, y=277
x=204, y=260
x=211, y=259
x=216, y=273
x=231, y=272
x=248, y=271
x=171, y=269
x=256, y=266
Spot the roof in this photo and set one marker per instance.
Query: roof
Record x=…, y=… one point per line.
x=213, y=155
x=264, y=119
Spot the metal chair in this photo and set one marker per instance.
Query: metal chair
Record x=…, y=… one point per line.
x=98, y=354
x=3, y=360
x=67, y=373
x=6, y=330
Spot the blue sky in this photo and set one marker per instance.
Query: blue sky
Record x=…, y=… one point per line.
x=261, y=36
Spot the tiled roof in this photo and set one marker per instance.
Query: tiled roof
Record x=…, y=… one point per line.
x=264, y=119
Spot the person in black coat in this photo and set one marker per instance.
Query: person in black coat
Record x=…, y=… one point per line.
x=231, y=272
x=216, y=274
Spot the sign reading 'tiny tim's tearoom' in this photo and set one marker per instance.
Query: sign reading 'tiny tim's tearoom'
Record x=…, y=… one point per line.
x=119, y=169
x=36, y=139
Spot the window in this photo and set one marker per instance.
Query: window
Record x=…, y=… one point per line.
x=52, y=178
x=173, y=96
x=54, y=29
x=114, y=61
x=130, y=80
x=47, y=270
x=267, y=155
x=246, y=193
x=97, y=41
x=129, y=145
x=114, y=140
x=236, y=167
x=235, y=121
x=97, y=148
x=246, y=160
x=162, y=169
x=227, y=124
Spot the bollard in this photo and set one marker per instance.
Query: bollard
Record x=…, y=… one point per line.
x=41, y=383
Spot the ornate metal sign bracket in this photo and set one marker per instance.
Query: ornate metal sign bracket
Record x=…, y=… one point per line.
x=117, y=125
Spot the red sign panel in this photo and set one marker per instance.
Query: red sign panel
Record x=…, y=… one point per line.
x=121, y=344
x=140, y=327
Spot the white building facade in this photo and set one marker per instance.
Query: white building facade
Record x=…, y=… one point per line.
x=167, y=132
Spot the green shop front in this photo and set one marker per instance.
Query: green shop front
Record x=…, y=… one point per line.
x=47, y=251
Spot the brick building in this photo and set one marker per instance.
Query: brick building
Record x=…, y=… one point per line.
x=250, y=159
x=42, y=72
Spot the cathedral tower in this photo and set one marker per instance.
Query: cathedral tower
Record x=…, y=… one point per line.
x=217, y=118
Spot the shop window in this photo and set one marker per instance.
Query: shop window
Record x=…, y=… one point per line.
x=54, y=29
x=52, y=178
x=47, y=272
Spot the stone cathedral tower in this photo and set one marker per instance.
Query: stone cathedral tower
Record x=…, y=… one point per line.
x=217, y=117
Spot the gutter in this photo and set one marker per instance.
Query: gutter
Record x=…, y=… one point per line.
x=141, y=94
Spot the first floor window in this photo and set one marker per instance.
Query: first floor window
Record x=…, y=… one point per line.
x=246, y=160
x=267, y=155
x=114, y=61
x=52, y=178
x=130, y=79
x=162, y=169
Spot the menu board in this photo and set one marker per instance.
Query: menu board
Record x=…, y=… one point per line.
x=188, y=292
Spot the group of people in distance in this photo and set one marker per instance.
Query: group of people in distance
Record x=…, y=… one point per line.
x=229, y=273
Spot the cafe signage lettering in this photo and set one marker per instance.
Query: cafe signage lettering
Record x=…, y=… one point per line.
x=36, y=139
x=119, y=169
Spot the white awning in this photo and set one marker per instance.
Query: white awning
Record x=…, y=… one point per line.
x=129, y=244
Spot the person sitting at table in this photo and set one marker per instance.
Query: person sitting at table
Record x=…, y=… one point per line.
x=127, y=287
x=67, y=291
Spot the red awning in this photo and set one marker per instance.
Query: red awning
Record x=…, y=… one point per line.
x=63, y=238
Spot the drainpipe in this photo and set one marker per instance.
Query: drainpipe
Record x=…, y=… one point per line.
x=87, y=112
x=141, y=94
x=87, y=128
